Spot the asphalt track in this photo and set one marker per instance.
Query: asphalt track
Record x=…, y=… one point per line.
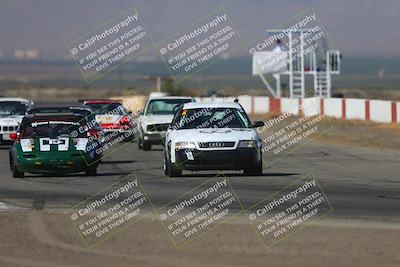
x=361, y=183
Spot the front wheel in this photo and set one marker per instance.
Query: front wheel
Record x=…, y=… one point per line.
x=139, y=142
x=165, y=165
x=146, y=145
x=254, y=170
x=170, y=169
x=91, y=171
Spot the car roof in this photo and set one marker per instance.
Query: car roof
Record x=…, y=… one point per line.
x=170, y=97
x=194, y=105
x=17, y=99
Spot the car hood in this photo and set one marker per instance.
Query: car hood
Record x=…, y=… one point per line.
x=156, y=119
x=213, y=135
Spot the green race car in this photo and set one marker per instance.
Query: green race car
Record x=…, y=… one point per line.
x=52, y=144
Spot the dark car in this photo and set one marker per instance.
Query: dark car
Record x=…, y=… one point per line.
x=52, y=143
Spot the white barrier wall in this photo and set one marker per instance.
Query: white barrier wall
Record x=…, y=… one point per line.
x=355, y=109
x=261, y=104
x=398, y=111
x=333, y=107
x=380, y=111
x=246, y=102
x=311, y=106
x=206, y=99
x=229, y=99
x=290, y=105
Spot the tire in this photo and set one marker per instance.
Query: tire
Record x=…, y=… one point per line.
x=18, y=174
x=146, y=146
x=254, y=170
x=139, y=142
x=165, y=167
x=170, y=169
x=91, y=171
x=10, y=162
x=15, y=171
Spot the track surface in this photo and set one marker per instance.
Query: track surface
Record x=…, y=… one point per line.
x=360, y=183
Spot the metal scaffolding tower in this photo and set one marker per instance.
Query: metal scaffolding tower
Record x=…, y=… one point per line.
x=297, y=61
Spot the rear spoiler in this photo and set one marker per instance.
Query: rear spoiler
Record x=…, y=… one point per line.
x=50, y=116
x=60, y=114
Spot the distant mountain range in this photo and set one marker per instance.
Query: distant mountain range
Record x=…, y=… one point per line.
x=233, y=73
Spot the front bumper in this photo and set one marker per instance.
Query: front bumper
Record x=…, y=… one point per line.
x=237, y=159
x=153, y=138
x=5, y=139
x=73, y=164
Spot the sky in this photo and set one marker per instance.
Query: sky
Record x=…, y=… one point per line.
x=359, y=28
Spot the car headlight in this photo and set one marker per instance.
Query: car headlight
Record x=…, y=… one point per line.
x=184, y=145
x=247, y=143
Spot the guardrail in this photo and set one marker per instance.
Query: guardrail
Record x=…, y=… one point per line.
x=343, y=108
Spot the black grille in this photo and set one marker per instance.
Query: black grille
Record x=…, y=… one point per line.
x=158, y=127
x=8, y=128
x=216, y=144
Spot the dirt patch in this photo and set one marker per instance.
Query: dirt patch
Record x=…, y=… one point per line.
x=49, y=239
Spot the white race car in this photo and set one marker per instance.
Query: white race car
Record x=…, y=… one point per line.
x=212, y=136
x=156, y=118
x=12, y=110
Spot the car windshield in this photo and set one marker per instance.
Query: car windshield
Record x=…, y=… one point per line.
x=164, y=106
x=211, y=118
x=111, y=109
x=9, y=108
x=52, y=129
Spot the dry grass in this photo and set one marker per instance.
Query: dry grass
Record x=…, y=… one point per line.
x=361, y=133
x=356, y=133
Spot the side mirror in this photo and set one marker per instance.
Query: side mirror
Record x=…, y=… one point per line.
x=13, y=136
x=257, y=124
